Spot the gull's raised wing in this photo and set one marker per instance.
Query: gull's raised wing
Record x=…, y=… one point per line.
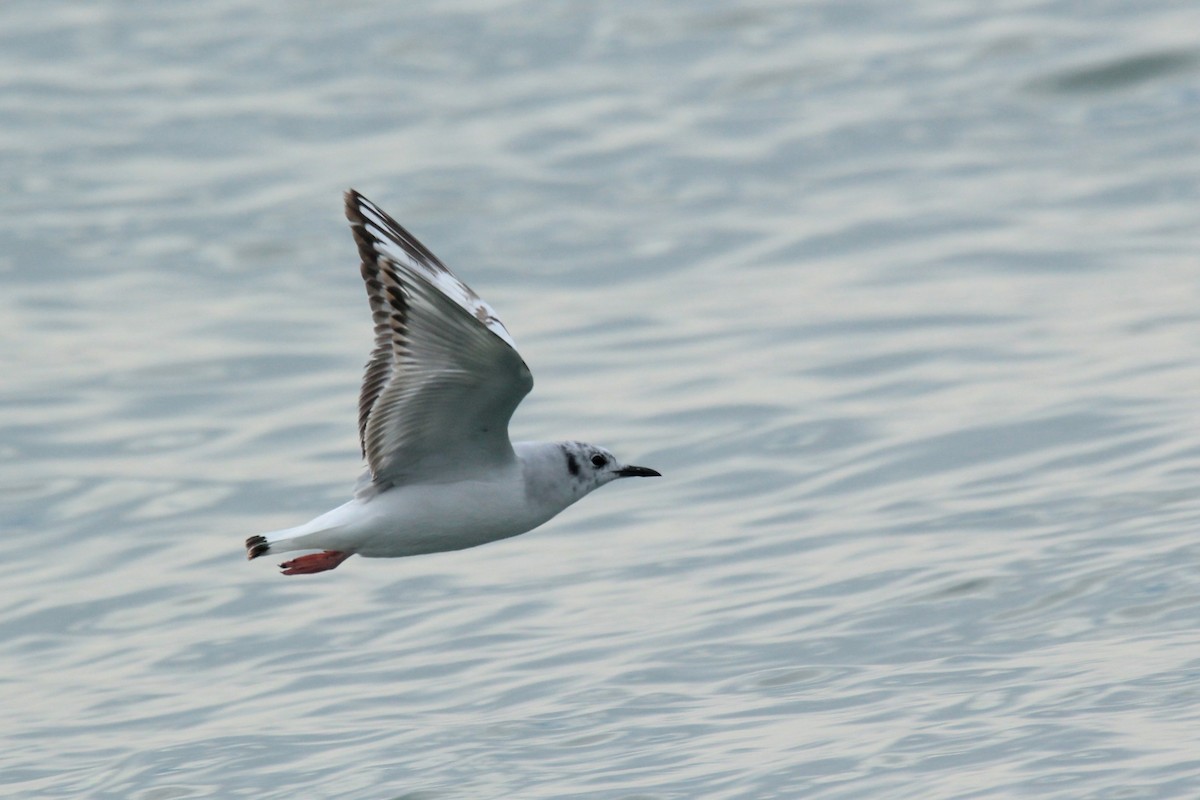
x=444, y=377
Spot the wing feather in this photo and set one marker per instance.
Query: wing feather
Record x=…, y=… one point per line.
x=444, y=376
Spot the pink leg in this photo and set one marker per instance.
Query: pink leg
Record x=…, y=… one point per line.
x=314, y=562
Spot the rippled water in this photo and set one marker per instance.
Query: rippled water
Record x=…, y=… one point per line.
x=902, y=298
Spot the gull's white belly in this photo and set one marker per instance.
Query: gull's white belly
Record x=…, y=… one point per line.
x=430, y=518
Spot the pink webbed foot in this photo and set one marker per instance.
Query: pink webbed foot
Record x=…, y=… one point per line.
x=314, y=562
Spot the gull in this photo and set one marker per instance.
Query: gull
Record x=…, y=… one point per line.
x=439, y=389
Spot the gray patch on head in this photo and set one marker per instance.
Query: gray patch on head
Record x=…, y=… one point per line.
x=572, y=462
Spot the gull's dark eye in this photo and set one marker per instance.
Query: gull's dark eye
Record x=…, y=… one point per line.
x=599, y=460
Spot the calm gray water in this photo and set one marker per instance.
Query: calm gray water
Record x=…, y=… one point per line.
x=903, y=299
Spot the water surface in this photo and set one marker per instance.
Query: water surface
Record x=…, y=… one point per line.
x=901, y=298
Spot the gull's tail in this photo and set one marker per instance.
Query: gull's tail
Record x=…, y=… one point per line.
x=302, y=538
x=312, y=536
x=327, y=532
x=257, y=546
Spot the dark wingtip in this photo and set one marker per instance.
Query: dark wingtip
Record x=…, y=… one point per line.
x=362, y=239
x=257, y=546
x=352, y=199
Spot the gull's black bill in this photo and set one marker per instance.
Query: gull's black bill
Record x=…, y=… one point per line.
x=638, y=472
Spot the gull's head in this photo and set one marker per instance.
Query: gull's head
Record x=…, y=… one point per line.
x=594, y=466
